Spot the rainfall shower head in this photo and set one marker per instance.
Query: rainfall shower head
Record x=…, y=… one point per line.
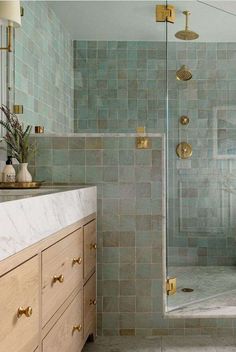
x=186, y=34
x=184, y=74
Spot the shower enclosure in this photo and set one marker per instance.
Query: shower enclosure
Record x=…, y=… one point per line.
x=201, y=159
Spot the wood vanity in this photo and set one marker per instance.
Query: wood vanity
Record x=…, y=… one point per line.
x=48, y=292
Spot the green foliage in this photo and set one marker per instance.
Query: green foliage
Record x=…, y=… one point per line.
x=16, y=137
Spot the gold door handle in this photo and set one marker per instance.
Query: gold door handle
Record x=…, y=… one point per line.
x=93, y=301
x=59, y=278
x=93, y=246
x=77, y=328
x=77, y=260
x=24, y=311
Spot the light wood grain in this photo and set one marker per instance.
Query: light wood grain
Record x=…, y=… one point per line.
x=26, y=280
x=58, y=260
x=89, y=306
x=20, y=288
x=90, y=241
x=62, y=338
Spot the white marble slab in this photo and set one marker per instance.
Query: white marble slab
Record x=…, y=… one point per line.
x=26, y=221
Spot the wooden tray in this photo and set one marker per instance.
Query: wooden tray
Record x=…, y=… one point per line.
x=21, y=185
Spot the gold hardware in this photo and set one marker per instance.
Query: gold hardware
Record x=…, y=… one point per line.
x=26, y=311
x=59, y=278
x=93, y=301
x=184, y=150
x=18, y=109
x=22, y=11
x=184, y=74
x=184, y=120
x=187, y=34
x=165, y=13
x=171, y=286
x=77, y=260
x=39, y=129
x=143, y=143
x=77, y=327
x=93, y=246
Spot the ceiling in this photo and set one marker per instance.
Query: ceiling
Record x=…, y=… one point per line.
x=135, y=20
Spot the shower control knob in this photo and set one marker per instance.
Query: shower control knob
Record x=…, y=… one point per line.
x=184, y=150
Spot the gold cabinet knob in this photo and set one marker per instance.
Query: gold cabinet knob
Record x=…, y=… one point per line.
x=59, y=278
x=93, y=246
x=24, y=311
x=93, y=301
x=77, y=260
x=77, y=328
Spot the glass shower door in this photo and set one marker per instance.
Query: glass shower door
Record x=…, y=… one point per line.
x=201, y=157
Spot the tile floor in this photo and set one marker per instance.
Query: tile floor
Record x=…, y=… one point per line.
x=162, y=344
x=216, y=283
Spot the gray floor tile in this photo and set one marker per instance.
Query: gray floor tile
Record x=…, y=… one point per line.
x=187, y=344
x=225, y=344
x=124, y=344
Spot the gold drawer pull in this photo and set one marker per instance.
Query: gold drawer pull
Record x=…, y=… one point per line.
x=59, y=278
x=77, y=260
x=77, y=327
x=93, y=246
x=93, y=301
x=26, y=311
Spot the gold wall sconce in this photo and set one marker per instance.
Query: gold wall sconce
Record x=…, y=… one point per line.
x=10, y=16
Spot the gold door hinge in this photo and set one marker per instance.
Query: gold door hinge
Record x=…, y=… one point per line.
x=165, y=13
x=171, y=286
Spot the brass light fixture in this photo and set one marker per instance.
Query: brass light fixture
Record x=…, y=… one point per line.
x=10, y=16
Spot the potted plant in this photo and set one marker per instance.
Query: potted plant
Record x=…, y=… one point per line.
x=18, y=140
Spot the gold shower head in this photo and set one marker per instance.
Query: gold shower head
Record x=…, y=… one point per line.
x=186, y=34
x=184, y=74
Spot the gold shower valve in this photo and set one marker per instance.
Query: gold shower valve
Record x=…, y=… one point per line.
x=184, y=120
x=184, y=150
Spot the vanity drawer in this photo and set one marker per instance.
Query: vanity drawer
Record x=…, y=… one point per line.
x=90, y=306
x=62, y=272
x=90, y=248
x=19, y=331
x=67, y=333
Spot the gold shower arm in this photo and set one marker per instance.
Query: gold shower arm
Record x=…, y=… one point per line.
x=187, y=14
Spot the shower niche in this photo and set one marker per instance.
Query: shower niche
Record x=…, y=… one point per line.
x=201, y=161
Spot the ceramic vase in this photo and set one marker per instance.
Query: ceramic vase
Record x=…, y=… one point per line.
x=23, y=174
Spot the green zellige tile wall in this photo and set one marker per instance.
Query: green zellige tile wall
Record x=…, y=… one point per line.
x=44, y=69
x=130, y=272
x=119, y=86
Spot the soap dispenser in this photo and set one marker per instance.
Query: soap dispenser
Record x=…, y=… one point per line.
x=9, y=173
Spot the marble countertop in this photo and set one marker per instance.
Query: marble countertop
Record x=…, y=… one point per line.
x=7, y=195
x=28, y=217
